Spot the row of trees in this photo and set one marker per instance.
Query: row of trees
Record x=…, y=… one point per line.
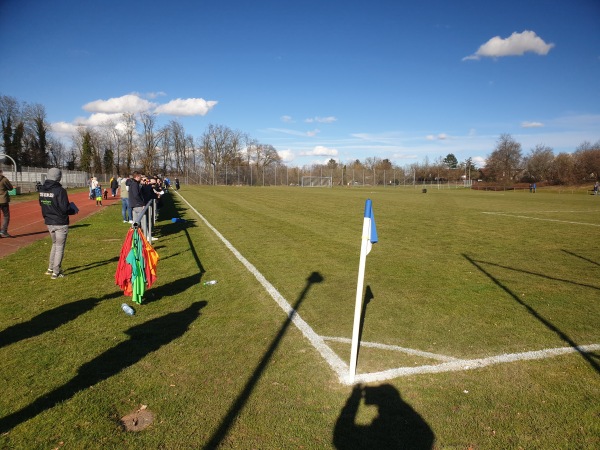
x=135, y=141
x=507, y=164
x=25, y=133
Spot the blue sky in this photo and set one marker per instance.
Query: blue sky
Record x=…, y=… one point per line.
x=318, y=79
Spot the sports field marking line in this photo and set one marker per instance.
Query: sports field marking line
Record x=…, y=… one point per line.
x=334, y=361
x=539, y=218
x=410, y=351
x=471, y=364
x=341, y=368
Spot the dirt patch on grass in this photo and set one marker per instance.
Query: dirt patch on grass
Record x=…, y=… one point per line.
x=138, y=420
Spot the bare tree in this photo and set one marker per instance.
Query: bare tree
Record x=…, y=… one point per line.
x=56, y=153
x=562, y=170
x=587, y=161
x=113, y=138
x=538, y=163
x=151, y=139
x=129, y=126
x=505, y=162
x=179, y=144
x=220, y=146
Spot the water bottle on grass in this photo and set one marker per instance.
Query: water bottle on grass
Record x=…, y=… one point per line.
x=128, y=309
x=208, y=283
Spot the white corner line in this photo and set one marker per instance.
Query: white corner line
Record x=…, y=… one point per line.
x=410, y=351
x=470, y=364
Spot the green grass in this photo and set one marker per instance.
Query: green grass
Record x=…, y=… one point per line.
x=221, y=365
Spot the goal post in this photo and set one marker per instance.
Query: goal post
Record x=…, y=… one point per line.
x=310, y=181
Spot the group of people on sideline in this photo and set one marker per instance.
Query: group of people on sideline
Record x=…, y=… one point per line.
x=136, y=191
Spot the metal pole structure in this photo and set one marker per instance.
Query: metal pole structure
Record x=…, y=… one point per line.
x=4, y=155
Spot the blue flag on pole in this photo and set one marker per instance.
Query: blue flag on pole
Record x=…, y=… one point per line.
x=372, y=229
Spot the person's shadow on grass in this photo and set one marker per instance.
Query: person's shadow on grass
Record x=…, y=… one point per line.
x=50, y=320
x=397, y=425
x=144, y=339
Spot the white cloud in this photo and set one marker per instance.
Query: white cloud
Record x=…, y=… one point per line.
x=134, y=103
x=131, y=103
x=64, y=128
x=320, y=150
x=479, y=161
x=155, y=94
x=532, y=124
x=441, y=137
x=329, y=119
x=287, y=119
x=516, y=44
x=186, y=107
x=286, y=155
x=313, y=133
x=287, y=131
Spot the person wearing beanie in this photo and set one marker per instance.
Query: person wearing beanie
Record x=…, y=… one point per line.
x=5, y=186
x=56, y=209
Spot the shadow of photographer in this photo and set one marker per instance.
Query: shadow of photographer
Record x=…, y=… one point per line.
x=396, y=426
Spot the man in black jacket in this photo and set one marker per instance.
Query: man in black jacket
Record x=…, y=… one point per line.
x=56, y=209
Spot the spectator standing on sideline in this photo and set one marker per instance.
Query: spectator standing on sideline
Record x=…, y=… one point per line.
x=56, y=209
x=136, y=199
x=114, y=185
x=125, y=209
x=5, y=186
x=149, y=195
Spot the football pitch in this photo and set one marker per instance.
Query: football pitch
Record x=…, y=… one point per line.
x=479, y=325
x=292, y=215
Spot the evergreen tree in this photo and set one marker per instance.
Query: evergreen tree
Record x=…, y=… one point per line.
x=85, y=162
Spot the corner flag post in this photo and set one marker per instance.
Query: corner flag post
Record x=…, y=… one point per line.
x=369, y=237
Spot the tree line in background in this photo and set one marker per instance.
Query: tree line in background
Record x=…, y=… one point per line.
x=225, y=156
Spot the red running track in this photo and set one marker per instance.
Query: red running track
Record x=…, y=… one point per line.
x=27, y=224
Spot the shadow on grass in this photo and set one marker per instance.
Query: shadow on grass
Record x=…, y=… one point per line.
x=171, y=209
x=172, y=288
x=581, y=257
x=589, y=358
x=92, y=265
x=541, y=275
x=397, y=425
x=237, y=406
x=144, y=339
x=368, y=297
x=29, y=234
x=50, y=320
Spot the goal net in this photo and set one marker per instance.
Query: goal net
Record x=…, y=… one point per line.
x=309, y=181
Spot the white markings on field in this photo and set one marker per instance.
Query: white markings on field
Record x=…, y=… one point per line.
x=470, y=364
x=409, y=351
x=339, y=366
x=541, y=218
x=449, y=363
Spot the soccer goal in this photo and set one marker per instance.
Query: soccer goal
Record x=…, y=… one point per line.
x=309, y=181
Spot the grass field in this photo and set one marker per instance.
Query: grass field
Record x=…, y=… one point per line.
x=463, y=287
